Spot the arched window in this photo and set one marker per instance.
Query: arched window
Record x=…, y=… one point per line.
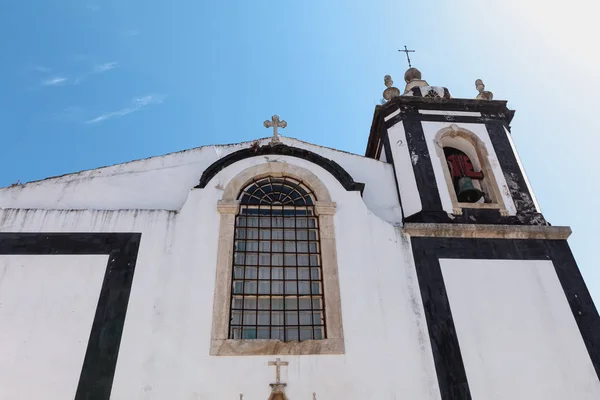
x=277, y=284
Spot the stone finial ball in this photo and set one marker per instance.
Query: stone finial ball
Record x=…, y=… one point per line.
x=387, y=80
x=411, y=74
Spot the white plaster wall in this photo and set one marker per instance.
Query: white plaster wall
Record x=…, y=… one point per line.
x=47, y=305
x=382, y=156
x=165, y=347
x=431, y=129
x=164, y=182
x=380, y=195
x=517, y=335
x=407, y=184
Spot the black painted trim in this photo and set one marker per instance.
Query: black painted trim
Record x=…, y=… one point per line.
x=422, y=167
x=447, y=357
x=450, y=118
x=412, y=113
x=512, y=172
x=491, y=110
x=281, y=149
x=98, y=370
x=444, y=118
x=374, y=139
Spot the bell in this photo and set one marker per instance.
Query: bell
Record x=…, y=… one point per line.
x=467, y=193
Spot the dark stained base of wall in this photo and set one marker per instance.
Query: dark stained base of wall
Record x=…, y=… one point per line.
x=97, y=372
x=448, y=361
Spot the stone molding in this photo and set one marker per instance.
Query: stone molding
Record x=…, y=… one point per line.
x=488, y=231
x=228, y=207
x=275, y=169
x=261, y=347
x=325, y=208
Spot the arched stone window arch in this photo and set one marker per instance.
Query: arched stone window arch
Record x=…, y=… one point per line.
x=463, y=154
x=241, y=195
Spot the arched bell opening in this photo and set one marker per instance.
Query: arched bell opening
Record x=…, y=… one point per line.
x=467, y=171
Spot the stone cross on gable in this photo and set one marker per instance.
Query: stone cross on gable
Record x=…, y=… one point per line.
x=275, y=123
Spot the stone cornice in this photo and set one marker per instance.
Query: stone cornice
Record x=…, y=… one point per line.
x=410, y=105
x=488, y=231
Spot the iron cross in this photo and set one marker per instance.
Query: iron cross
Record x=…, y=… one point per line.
x=406, y=50
x=275, y=123
x=278, y=363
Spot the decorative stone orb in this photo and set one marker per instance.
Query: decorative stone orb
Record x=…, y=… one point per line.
x=411, y=74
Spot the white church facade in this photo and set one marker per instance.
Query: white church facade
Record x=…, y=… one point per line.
x=280, y=269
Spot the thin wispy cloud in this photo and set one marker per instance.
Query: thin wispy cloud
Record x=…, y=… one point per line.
x=137, y=104
x=54, y=81
x=98, y=69
x=105, y=67
x=73, y=79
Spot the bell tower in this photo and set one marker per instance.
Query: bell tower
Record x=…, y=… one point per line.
x=497, y=281
x=454, y=158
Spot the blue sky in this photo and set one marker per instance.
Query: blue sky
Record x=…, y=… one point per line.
x=92, y=83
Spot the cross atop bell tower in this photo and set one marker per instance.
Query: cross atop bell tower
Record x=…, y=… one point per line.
x=406, y=51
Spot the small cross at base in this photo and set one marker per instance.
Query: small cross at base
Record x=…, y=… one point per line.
x=278, y=364
x=275, y=123
x=278, y=388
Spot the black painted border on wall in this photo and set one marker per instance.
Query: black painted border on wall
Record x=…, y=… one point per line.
x=510, y=166
x=281, y=149
x=98, y=370
x=447, y=357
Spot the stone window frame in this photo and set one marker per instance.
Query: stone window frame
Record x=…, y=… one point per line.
x=478, y=148
x=228, y=208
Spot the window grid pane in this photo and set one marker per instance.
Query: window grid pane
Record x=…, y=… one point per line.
x=277, y=276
